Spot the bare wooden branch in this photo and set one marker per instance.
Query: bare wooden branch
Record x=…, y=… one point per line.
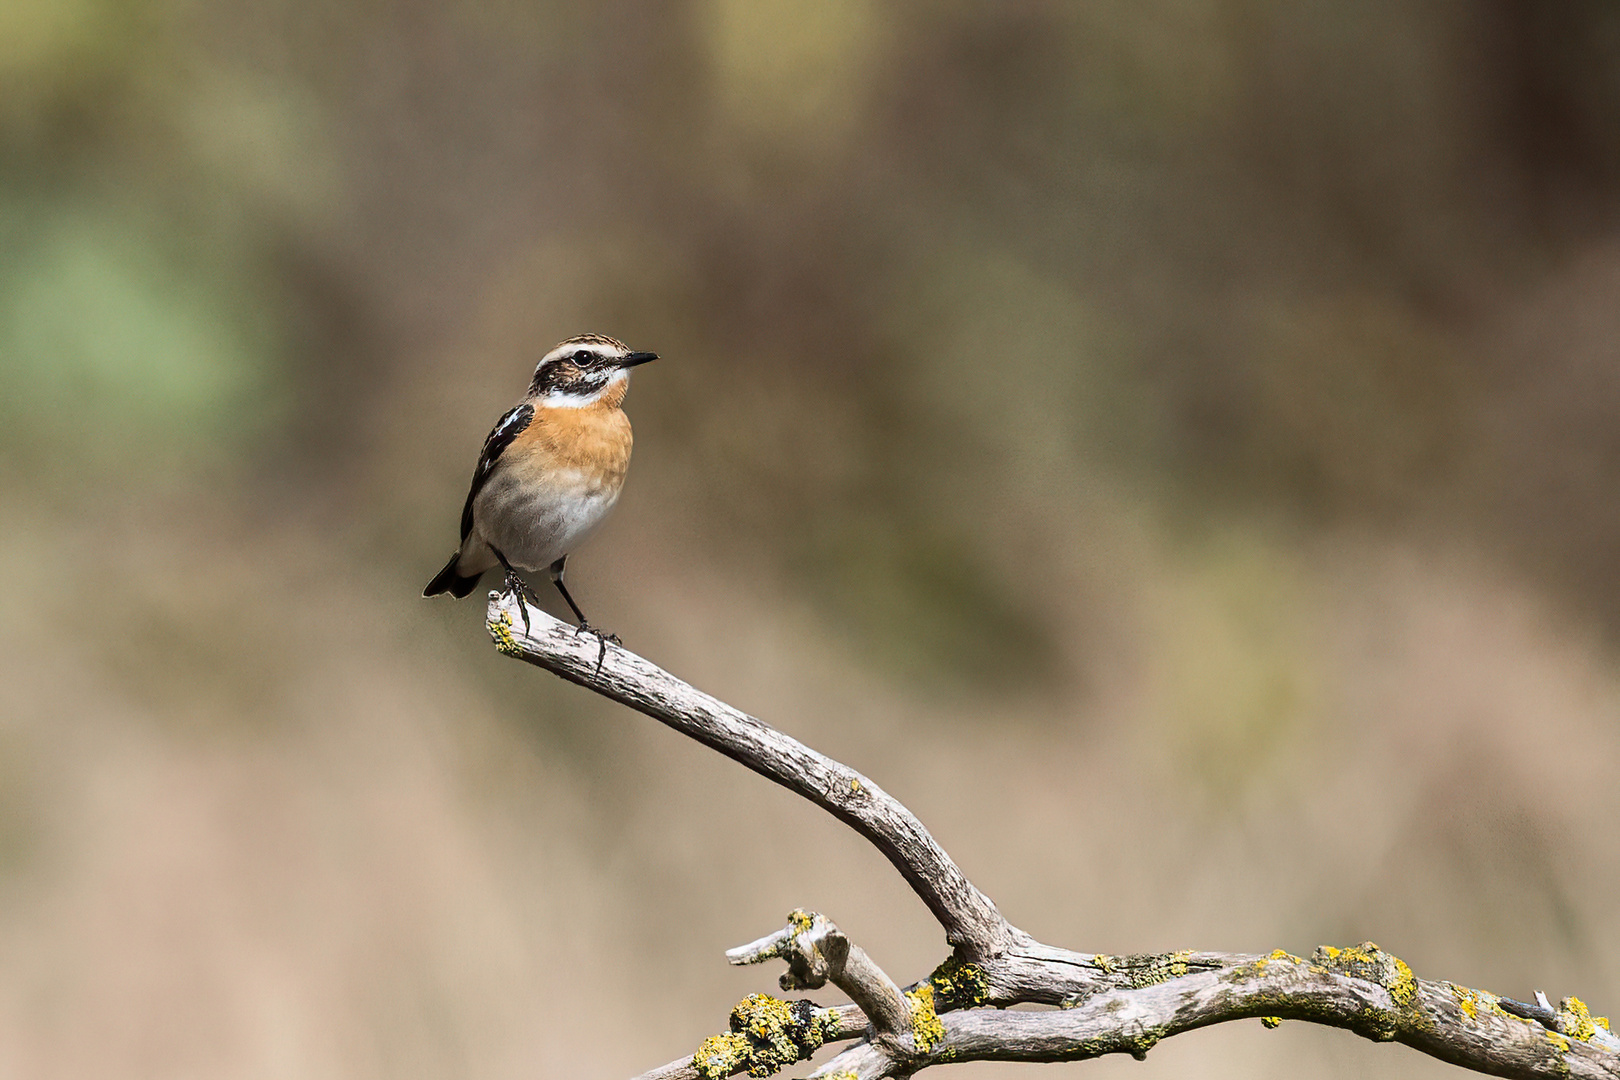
x=972, y=923
x=1103, y=1004
x=1361, y=989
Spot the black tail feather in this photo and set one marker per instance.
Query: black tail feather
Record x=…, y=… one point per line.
x=448, y=580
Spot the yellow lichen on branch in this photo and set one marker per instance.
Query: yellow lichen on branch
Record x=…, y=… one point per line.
x=501, y=630
x=1152, y=970
x=959, y=985
x=1577, y=1021
x=927, y=1031
x=1368, y=961
x=767, y=1034
x=718, y=1056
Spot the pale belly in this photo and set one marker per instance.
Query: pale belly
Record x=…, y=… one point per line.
x=535, y=525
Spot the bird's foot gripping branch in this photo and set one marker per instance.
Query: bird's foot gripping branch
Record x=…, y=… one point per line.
x=1099, y=1004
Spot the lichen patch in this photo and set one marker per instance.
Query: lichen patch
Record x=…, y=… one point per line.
x=927, y=1031
x=719, y=1055
x=1151, y=970
x=959, y=985
x=500, y=628
x=1577, y=1021
x=1372, y=964
x=766, y=1034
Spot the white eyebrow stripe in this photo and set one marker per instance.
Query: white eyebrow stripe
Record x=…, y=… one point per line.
x=566, y=351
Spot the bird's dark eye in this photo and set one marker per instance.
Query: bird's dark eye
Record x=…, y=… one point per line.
x=584, y=357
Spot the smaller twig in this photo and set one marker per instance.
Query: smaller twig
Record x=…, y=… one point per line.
x=1571, y=1018
x=680, y=1069
x=1541, y=1011
x=817, y=952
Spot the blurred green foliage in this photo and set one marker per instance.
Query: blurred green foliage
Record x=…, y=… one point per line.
x=120, y=355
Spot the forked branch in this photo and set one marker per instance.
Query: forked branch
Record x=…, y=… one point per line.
x=1104, y=1004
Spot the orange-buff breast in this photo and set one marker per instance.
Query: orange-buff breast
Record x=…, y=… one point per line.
x=592, y=443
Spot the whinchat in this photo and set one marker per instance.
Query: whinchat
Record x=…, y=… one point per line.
x=550, y=471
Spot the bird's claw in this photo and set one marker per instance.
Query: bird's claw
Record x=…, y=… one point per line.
x=516, y=586
x=602, y=641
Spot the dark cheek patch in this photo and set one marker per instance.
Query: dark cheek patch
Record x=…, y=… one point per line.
x=569, y=379
x=553, y=377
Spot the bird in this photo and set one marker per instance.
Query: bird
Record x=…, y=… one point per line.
x=551, y=469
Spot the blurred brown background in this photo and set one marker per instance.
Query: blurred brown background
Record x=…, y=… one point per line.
x=1173, y=446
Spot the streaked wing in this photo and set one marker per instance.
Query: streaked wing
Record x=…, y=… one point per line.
x=507, y=428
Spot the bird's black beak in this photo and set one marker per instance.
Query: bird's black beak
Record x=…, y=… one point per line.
x=632, y=359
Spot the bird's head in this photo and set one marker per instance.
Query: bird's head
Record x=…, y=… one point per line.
x=585, y=370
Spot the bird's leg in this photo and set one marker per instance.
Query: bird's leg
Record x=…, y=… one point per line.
x=584, y=626
x=556, y=572
x=515, y=585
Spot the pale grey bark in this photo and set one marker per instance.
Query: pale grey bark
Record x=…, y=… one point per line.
x=1104, y=1004
x=972, y=923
